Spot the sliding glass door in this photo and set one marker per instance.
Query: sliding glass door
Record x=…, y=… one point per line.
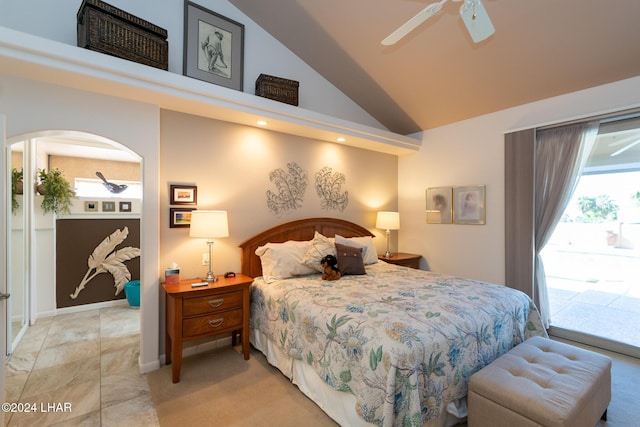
x=592, y=261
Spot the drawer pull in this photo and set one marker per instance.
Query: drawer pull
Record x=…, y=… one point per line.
x=216, y=302
x=215, y=323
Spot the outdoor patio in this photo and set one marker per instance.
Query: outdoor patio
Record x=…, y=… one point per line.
x=595, y=291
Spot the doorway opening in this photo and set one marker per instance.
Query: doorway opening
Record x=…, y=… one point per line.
x=31, y=274
x=592, y=261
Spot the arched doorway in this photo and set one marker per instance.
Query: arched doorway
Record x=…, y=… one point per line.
x=30, y=235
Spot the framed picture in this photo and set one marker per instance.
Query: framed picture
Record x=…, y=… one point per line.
x=125, y=207
x=439, y=206
x=180, y=217
x=469, y=205
x=90, y=206
x=183, y=195
x=108, y=206
x=213, y=47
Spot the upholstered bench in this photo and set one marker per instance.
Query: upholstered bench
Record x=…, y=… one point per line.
x=541, y=383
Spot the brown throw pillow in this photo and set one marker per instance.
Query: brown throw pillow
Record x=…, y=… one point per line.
x=350, y=259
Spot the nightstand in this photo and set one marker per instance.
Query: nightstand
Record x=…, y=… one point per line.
x=194, y=313
x=403, y=259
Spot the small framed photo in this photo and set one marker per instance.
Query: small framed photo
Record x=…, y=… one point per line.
x=213, y=47
x=124, y=207
x=180, y=217
x=90, y=206
x=439, y=206
x=108, y=206
x=183, y=195
x=469, y=205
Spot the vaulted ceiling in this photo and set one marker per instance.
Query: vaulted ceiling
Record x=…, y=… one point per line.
x=437, y=75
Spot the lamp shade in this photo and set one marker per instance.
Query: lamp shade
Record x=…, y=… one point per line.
x=388, y=220
x=209, y=224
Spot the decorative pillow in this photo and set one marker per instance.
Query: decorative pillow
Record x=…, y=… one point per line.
x=349, y=259
x=369, y=253
x=283, y=260
x=318, y=248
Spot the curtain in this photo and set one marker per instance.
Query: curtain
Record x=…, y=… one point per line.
x=560, y=156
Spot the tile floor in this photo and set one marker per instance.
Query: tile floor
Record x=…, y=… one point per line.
x=87, y=360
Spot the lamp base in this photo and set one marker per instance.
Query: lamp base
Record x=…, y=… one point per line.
x=210, y=277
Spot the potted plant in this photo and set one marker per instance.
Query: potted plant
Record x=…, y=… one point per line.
x=56, y=190
x=16, y=187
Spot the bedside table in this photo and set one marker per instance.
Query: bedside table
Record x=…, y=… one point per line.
x=205, y=311
x=403, y=259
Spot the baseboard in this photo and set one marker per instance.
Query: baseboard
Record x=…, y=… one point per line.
x=149, y=366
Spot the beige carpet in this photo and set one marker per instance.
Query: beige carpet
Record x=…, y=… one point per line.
x=219, y=388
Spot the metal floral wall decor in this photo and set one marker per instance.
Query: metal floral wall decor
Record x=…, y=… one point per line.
x=329, y=189
x=106, y=259
x=290, y=185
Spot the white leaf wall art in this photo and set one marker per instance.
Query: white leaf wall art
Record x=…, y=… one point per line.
x=329, y=189
x=291, y=187
x=106, y=259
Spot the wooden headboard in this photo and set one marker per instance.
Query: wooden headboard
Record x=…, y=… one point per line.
x=301, y=230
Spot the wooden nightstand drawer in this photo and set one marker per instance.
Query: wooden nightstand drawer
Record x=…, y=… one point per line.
x=212, y=324
x=211, y=303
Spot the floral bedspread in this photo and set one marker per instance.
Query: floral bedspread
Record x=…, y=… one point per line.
x=403, y=341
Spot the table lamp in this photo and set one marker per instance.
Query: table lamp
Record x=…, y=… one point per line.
x=209, y=225
x=388, y=221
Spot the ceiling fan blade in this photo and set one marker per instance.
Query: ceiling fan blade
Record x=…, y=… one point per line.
x=412, y=23
x=625, y=148
x=477, y=20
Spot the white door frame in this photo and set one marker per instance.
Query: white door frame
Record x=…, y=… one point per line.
x=3, y=265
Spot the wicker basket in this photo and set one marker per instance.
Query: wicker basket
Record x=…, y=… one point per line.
x=107, y=29
x=278, y=89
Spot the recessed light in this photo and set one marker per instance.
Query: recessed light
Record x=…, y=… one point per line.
x=341, y=139
x=262, y=123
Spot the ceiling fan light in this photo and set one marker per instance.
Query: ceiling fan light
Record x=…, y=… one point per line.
x=476, y=19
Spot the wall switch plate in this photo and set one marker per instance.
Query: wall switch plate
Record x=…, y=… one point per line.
x=205, y=259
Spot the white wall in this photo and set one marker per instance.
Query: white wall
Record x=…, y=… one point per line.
x=472, y=152
x=56, y=20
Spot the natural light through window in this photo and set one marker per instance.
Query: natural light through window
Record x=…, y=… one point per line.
x=86, y=187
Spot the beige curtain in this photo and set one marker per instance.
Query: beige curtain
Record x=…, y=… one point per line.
x=560, y=156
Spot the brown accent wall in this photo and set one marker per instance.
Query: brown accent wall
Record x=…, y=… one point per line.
x=76, y=239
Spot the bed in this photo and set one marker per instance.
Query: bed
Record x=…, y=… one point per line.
x=393, y=346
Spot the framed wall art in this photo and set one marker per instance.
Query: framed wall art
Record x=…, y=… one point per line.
x=183, y=195
x=469, y=205
x=213, y=47
x=125, y=207
x=439, y=206
x=108, y=206
x=180, y=217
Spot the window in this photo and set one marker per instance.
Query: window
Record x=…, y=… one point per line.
x=87, y=187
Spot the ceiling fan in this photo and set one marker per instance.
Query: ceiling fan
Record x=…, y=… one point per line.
x=473, y=14
x=630, y=143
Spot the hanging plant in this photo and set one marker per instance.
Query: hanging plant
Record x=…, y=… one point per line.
x=16, y=187
x=56, y=190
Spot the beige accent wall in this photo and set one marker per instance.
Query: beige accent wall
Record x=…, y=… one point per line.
x=79, y=167
x=230, y=165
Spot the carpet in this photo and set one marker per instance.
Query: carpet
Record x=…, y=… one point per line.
x=220, y=388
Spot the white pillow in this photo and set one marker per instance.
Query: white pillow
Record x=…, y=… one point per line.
x=369, y=253
x=318, y=248
x=283, y=260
